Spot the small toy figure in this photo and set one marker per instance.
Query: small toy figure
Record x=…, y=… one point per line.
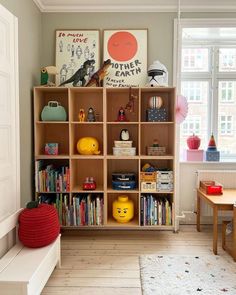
x=130, y=105
x=124, y=135
x=89, y=184
x=91, y=115
x=157, y=74
x=155, y=143
x=99, y=75
x=121, y=115
x=81, y=115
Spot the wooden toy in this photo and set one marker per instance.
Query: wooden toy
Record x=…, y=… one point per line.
x=81, y=115
x=124, y=135
x=123, y=209
x=121, y=115
x=155, y=102
x=88, y=146
x=211, y=154
x=91, y=115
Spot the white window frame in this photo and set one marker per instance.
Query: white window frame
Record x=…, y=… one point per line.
x=226, y=133
x=179, y=25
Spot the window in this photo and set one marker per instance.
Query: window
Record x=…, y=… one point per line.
x=226, y=126
x=208, y=81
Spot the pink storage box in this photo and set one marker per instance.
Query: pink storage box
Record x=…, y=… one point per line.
x=194, y=155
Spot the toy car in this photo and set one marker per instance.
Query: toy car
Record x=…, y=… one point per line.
x=89, y=184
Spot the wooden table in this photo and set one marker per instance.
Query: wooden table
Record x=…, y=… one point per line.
x=223, y=202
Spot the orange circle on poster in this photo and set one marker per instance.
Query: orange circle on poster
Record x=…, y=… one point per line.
x=122, y=46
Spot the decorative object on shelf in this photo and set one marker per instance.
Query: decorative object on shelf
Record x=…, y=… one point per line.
x=156, y=111
x=181, y=109
x=211, y=154
x=73, y=48
x=89, y=184
x=155, y=102
x=211, y=187
x=130, y=105
x=81, y=115
x=121, y=115
x=157, y=74
x=51, y=149
x=123, y=181
x=123, y=209
x=124, y=135
x=91, y=115
x=88, y=146
x=46, y=75
x=38, y=226
x=97, y=78
x=193, y=142
x=123, y=143
x=155, y=149
x=53, y=112
x=78, y=78
x=127, y=50
x=148, y=168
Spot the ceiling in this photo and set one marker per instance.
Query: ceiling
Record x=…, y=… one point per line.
x=136, y=5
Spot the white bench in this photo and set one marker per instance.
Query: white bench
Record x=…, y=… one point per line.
x=25, y=271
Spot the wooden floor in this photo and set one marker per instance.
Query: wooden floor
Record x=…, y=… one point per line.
x=108, y=262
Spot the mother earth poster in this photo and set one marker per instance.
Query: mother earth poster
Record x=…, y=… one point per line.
x=127, y=50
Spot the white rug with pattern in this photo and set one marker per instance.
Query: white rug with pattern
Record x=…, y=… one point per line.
x=184, y=275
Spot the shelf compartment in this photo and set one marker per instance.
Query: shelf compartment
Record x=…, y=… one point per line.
x=122, y=165
x=78, y=131
x=157, y=163
x=84, y=98
x=113, y=133
x=80, y=169
x=54, y=133
x=119, y=97
x=168, y=97
x=112, y=197
x=164, y=134
x=42, y=95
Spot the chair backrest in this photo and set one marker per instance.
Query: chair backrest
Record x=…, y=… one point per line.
x=9, y=223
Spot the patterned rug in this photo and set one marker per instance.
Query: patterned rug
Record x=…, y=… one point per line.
x=183, y=275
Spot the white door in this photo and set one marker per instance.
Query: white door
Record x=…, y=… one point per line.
x=9, y=115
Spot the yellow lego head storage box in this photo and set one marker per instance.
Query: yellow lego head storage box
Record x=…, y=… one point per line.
x=123, y=209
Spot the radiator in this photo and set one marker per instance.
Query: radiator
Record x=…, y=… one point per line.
x=225, y=177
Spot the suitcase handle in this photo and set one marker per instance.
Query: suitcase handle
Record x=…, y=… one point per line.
x=120, y=178
x=124, y=186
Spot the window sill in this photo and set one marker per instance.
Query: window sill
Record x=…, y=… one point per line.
x=207, y=163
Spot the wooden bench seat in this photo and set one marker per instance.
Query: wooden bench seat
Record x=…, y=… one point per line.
x=25, y=271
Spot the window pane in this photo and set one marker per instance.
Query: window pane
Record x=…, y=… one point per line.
x=227, y=129
x=195, y=91
x=227, y=59
x=195, y=60
x=197, y=94
x=227, y=90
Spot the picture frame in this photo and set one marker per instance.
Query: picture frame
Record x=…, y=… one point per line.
x=73, y=48
x=127, y=49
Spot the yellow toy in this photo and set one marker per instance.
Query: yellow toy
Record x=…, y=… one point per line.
x=123, y=209
x=88, y=146
x=81, y=115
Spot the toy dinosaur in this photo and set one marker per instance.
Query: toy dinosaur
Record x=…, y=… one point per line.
x=45, y=75
x=80, y=74
x=98, y=76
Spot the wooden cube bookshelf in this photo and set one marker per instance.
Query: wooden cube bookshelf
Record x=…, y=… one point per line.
x=106, y=103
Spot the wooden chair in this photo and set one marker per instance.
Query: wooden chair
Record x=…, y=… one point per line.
x=230, y=249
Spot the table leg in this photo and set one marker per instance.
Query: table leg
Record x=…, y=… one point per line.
x=198, y=211
x=215, y=229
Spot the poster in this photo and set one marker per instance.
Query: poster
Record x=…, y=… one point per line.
x=127, y=50
x=77, y=51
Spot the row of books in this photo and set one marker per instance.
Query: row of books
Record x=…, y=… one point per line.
x=155, y=210
x=77, y=210
x=51, y=179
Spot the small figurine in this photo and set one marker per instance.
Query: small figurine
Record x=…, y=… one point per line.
x=98, y=76
x=91, y=115
x=124, y=135
x=89, y=184
x=155, y=143
x=45, y=74
x=130, y=105
x=121, y=115
x=81, y=115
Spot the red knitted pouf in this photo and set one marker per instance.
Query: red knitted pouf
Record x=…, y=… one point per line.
x=38, y=227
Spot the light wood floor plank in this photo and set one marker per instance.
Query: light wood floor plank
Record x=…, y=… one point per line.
x=90, y=291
